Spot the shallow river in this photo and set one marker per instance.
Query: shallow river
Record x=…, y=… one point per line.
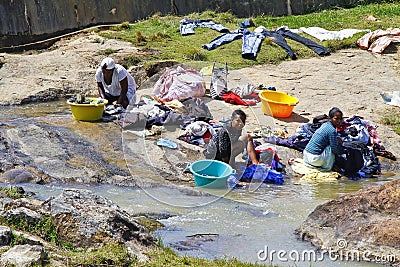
x=242, y=223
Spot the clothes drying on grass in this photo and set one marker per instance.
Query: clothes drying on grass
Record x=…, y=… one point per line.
x=380, y=39
x=179, y=83
x=252, y=41
x=323, y=34
x=187, y=26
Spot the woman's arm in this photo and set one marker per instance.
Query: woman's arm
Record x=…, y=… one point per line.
x=100, y=88
x=123, y=100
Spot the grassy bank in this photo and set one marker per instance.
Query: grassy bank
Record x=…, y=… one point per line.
x=159, y=38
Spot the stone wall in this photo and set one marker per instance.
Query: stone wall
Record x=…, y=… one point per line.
x=24, y=21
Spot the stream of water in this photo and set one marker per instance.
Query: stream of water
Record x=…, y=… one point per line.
x=242, y=224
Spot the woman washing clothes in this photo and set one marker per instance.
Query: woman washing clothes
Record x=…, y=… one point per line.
x=115, y=83
x=325, y=143
x=229, y=142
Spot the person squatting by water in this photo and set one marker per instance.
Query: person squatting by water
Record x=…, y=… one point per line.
x=115, y=83
x=325, y=143
x=229, y=142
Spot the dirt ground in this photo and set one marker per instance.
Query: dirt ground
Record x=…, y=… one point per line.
x=349, y=79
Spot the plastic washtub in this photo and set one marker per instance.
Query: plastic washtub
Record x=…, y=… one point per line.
x=211, y=173
x=88, y=112
x=277, y=104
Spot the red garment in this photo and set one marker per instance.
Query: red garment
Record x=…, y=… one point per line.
x=233, y=98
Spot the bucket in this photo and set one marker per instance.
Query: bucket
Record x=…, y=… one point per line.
x=88, y=112
x=277, y=104
x=211, y=173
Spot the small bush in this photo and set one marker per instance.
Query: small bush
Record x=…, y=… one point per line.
x=194, y=54
x=107, y=52
x=140, y=37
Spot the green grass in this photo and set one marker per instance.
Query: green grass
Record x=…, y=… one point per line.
x=11, y=192
x=168, y=258
x=392, y=118
x=160, y=39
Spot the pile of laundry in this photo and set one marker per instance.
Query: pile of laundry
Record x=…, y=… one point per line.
x=361, y=145
x=378, y=40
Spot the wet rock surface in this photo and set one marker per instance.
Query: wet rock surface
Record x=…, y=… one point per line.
x=367, y=221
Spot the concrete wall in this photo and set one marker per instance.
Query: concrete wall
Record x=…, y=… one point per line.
x=24, y=21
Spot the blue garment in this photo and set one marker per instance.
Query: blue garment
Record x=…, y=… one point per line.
x=251, y=44
x=260, y=172
x=224, y=39
x=317, y=48
x=325, y=136
x=187, y=26
x=246, y=23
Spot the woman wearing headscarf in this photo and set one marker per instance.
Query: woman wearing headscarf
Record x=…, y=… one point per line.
x=115, y=83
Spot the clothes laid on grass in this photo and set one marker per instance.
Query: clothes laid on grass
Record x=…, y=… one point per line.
x=246, y=23
x=252, y=41
x=380, y=39
x=323, y=34
x=187, y=26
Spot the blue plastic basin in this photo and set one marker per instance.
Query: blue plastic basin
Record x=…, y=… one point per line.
x=211, y=173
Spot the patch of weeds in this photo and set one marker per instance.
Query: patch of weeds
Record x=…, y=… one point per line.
x=107, y=52
x=158, y=36
x=392, y=118
x=12, y=192
x=150, y=224
x=18, y=240
x=132, y=60
x=194, y=54
x=108, y=255
x=168, y=258
x=44, y=228
x=140, y=38
x=125, y=25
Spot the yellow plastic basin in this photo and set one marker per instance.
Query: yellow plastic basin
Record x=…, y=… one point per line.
x=277, y=104
x=87, y=112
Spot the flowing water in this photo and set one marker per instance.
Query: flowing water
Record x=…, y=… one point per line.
x=242, y=223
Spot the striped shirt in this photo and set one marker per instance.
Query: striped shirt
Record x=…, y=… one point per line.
x=324, y=136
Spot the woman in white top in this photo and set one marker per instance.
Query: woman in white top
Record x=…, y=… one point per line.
x=115, y=83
